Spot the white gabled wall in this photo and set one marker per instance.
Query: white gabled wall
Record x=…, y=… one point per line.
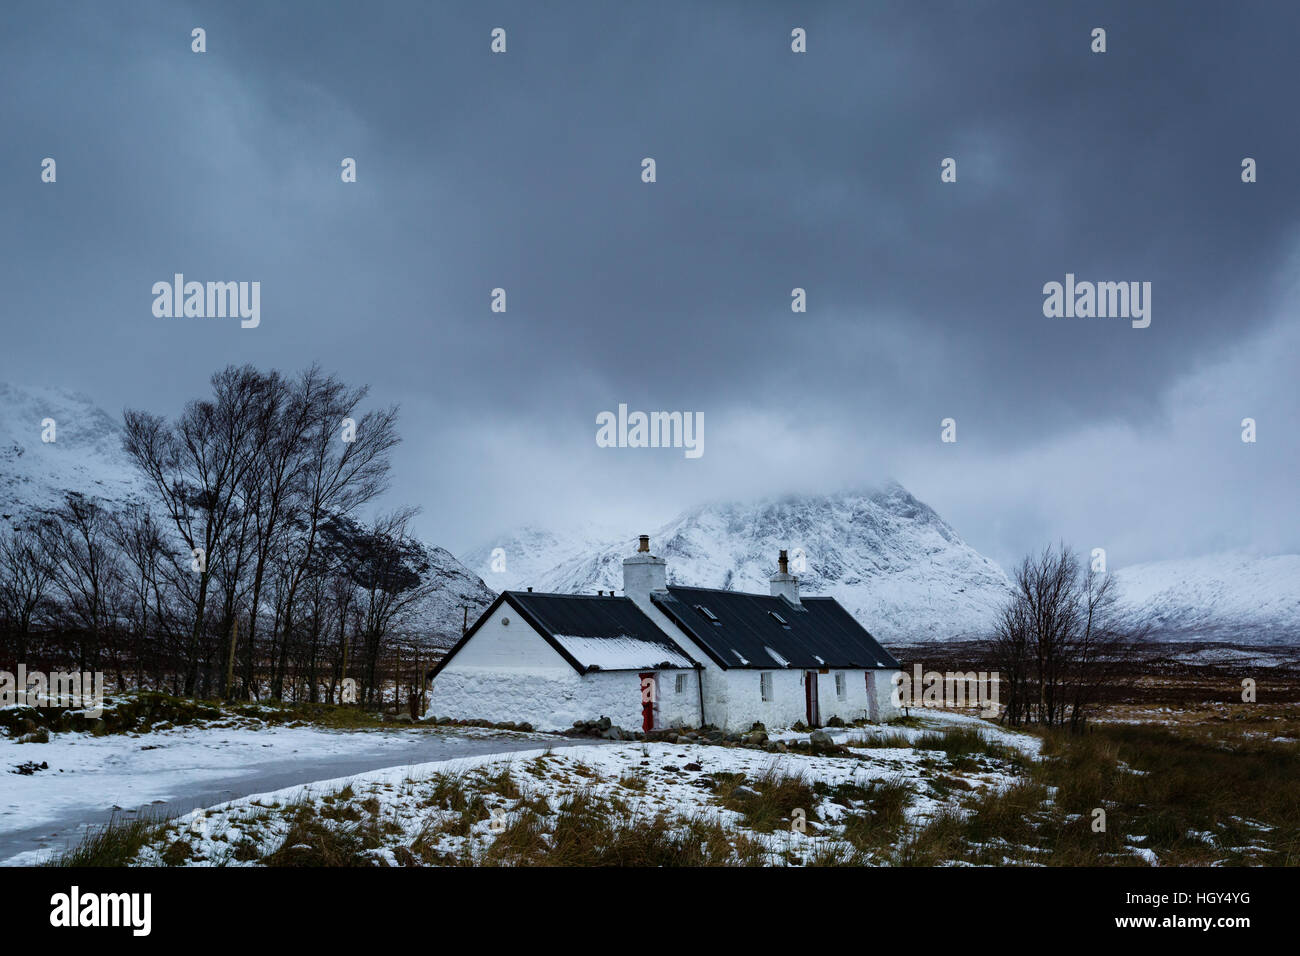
x=514, y=645
x=508, y=672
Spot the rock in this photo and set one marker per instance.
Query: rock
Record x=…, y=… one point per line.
x=693, y=766
x=405, y=719
x=781, y=748
x=604, y=724
x=755, y=738
x=683, y=739
x=758, y=725
x=822, y=738
x=612, y=733
x=799, y=726
x=526, y=726
x=835, y=722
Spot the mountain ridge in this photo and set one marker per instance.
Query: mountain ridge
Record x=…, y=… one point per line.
x=902, y=570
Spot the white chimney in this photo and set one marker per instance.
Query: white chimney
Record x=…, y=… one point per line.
x=783, y=583
x=643, y=573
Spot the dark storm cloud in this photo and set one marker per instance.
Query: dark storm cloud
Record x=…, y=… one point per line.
x=775, y=171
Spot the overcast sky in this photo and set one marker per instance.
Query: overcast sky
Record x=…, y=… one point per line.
x=775, y=170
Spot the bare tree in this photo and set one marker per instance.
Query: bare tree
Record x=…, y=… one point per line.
x=196, y=468
x=346, y=467
x=83, y=562
x=25, y=583
x=1058, y=640
x=389, y=569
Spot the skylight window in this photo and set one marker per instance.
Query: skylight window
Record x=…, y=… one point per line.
x=713, y=618
x=779, y=619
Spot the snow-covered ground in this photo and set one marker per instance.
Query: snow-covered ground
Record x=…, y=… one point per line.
x=932, y=720
x=673, y=781
x=89, y=778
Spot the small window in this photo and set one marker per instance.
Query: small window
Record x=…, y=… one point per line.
x=765, y=685
x=779, y=619
x=840, y=685
x=680, y=684
x=713, y=618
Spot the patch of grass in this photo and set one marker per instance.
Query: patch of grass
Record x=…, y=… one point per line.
x=881, y=741
x=116, y=843
x=311, y=842
x=877, y=817
x=447, y=791
x=177, y=853
x=959, y=742
x=633, y=781
x=770, y=800
x=590, y=832
x=1192, y=800
x=503, y=783
x=938, y=841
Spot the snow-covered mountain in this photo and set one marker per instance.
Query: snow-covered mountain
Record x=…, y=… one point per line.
x=87, y=456
x=887, y=557
x=460, y=595
x=900, y=569
x=1227, y=597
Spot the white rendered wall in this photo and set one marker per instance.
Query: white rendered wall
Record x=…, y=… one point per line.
x=733, y=700
x=507, y=672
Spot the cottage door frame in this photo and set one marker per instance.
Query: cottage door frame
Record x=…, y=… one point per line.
x=649, y=700
x=812, y=704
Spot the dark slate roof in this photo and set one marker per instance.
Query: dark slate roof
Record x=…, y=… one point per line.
x=589, y=631
x=820, y=633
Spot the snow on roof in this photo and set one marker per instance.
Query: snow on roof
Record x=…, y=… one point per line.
x=776, y=657
x=621, y=652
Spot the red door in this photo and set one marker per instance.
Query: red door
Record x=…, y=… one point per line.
x=648, y=701
x=810, y=697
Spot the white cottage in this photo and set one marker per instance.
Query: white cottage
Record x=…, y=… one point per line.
x=661, y=657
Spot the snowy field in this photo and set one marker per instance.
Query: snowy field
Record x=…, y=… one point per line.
x=409, y=807
x=89, y=778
